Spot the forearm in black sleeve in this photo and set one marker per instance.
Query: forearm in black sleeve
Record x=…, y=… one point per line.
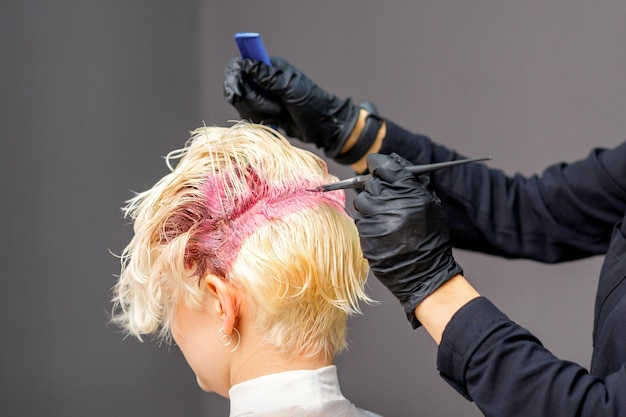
x=535, y=217
x=507, y=372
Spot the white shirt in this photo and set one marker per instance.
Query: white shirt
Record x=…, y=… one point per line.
x=301, y=392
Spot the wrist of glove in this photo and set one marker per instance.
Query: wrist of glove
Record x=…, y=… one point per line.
x=282, y=95
x=403, y=231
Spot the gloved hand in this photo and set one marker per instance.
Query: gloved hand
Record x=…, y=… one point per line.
x=403, y=232
x=281, y=95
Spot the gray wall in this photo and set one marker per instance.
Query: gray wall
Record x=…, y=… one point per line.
x=94, y=92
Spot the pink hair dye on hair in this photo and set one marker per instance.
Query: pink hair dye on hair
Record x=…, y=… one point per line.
x=227, y=219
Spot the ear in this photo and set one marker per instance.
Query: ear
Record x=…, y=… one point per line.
x=227, y=300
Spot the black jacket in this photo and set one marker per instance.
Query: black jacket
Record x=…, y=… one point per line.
x=571, y=211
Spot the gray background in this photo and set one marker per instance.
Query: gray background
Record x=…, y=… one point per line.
x=93, y=93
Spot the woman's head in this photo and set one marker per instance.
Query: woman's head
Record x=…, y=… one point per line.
x=236, y=207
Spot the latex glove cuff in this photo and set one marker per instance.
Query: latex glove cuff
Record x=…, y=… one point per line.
x=366, y=138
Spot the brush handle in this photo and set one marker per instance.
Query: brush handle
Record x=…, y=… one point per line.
x=359, y=180
x=425, y=169
x=251, y=46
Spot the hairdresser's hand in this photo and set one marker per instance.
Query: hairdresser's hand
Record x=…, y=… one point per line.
x=281, y=95
x=403, y=231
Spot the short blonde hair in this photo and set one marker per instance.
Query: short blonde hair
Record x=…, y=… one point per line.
x=237, y=205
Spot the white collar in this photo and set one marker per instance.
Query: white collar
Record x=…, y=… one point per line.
x=285, y=389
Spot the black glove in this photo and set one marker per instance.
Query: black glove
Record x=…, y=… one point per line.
x=281, y=95
x=403, y=231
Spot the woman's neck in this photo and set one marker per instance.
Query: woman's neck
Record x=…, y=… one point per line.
x=267, y=360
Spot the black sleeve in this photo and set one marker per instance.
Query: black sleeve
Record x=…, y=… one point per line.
x=565, y=213
x=506, y=371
